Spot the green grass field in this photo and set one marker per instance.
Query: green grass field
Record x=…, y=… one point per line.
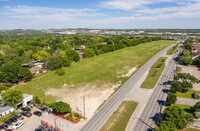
x=119, y=119
x=102, y=67
x=154, y=73
x=188, y=94
x=172, y=49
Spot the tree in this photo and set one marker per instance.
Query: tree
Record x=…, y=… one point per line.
x=9, y=73
x=167, y=126
x=53, y=62
x=12, y=97
x=186, y=77
x=177, y=116
x=61, y=107
x=176, y=86
x=171, y=99
x=40, y=55
x=88, y=52
x=72, y=55
x=186, y=86
x=24, y=74
x=196, y=107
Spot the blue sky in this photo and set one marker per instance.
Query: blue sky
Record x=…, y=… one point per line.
x=113, y=14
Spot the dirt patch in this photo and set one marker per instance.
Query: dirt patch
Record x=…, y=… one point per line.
x=130, y=72
x=94, y=96
x=193, y=71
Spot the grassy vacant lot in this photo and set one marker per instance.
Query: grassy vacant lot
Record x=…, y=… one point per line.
x=172, y=49
x=188, y=94
x=154, y=73
x=119, y=119
x=102, y=68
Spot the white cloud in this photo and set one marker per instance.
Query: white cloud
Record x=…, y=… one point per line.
x=46, y=13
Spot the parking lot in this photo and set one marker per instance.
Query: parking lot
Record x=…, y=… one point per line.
x=33, y=122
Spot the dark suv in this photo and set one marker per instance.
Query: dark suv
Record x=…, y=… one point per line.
x=25, y=109
x=26, y=113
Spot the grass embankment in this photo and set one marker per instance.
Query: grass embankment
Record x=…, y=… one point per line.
x=101, y=68
x=154, y=73
x=173, y=49
x=119, y=119
x=188, y=94
x=189, y=129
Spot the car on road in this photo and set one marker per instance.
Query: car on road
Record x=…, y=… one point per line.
x=37, y=113
x=43, y=109
x=18, y=124
x=13, y=119
x=8, y=122
x=26, y=113
x=9, y=130
x=38, y=129
x=3, y=126
x=25, y=109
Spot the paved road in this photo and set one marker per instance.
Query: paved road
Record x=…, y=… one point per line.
x=150, y=114
x=109, y=107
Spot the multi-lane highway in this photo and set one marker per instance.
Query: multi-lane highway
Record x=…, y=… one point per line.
x=109, y=107
x=151, y=112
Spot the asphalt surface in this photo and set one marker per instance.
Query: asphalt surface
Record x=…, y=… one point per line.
x=109, y=107
x=157, y=101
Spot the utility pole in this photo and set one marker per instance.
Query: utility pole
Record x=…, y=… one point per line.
x=84, y=106
x=55, y=123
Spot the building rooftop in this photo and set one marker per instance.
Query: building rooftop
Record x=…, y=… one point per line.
x=5, y=108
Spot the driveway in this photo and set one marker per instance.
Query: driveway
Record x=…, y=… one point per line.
x=186, y=101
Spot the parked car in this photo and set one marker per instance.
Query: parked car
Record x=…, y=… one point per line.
x=38, y=129
x=9, y=130
x=3, y=126
x=18, y=124
x=19, y=116
x=25, y=109
x=26, y=113
x=37, y=113
x=8, y=122
x=44, y=108
x=13, y=119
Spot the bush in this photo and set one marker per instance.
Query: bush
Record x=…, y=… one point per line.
x=197, y=114
x=196, y=95
x=60, y=72
x=76, y=115
x=36, y=100
x=71, y=115
x=8, y=84
x=2, y=87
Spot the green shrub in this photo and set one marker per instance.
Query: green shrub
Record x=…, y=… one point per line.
x=71, y=115
x=197, y=114
x=40, y=71
x=2, y=87
x=60, y=72
x=76, y=115
x=36, y=100
x=196, y=95
x=8, y=84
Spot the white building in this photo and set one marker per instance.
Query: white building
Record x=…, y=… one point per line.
x=5, y=110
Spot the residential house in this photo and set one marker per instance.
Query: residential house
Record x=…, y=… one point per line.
x=195, y=52
x=35, y=70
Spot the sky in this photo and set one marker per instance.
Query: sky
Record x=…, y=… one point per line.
x=99, y=14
